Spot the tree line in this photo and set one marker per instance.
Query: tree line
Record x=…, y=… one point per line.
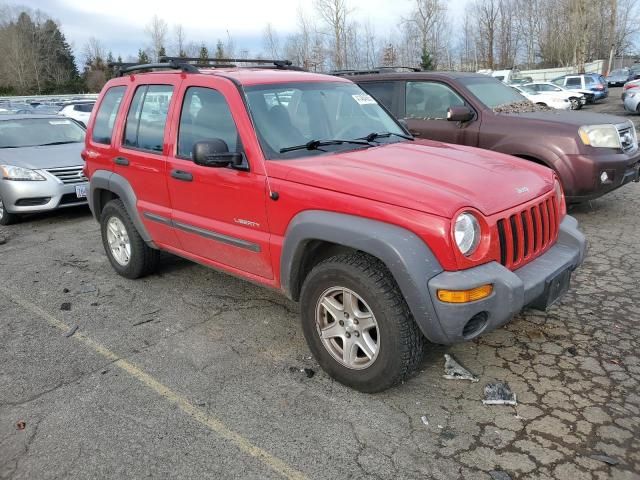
x=333, y=35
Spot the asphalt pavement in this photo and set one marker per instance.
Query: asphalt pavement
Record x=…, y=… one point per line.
x=191, y=373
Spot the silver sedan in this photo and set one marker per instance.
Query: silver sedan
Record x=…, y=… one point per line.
x=40, y=165
x=631, y=100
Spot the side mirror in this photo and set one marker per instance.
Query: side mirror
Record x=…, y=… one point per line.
x=460, y=113
x=214, y=153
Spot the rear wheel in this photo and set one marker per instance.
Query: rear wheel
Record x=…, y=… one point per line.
x=357, y=323
x=128, y=253
x=7, y=218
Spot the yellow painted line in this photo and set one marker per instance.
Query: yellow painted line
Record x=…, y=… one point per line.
x=209, y=421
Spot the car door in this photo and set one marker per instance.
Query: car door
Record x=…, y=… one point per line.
x=426, y=107
x=141, y=157
x=219, y=213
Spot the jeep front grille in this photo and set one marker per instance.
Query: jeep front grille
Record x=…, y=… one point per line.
x=526, y=234
x=69, y=175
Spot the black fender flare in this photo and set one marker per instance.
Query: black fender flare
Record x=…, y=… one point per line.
x=120, y=186
x=408, y=257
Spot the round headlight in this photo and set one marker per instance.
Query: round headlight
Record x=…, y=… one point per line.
x=467, y=233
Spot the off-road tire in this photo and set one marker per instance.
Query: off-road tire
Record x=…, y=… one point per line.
x=144, y=259
x=8, y=218
x=401, y=343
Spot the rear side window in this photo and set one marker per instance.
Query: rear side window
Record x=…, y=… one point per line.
x=381, y=91
x=83, y=107
x=106, y=116
x=147, y=117
x=574, y=82
x=205, y=116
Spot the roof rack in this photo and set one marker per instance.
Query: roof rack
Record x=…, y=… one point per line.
x=124, y=68
x=347, y=72
x=231, y=62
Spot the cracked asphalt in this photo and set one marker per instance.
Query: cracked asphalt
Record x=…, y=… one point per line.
x=191, y=373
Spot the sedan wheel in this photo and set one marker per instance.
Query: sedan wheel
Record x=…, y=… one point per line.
x=575, y=104
x=6, y=218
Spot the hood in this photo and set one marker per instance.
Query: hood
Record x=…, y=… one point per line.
x=572, y=118
x=49, y=156
x=426, y=176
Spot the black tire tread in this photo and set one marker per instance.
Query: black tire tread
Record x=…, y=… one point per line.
x=144, y=259
x=412, y=342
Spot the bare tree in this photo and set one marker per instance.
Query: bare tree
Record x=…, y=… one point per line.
x=157, y=30
x=179, y=40
x=271, y=41
x=335, y=13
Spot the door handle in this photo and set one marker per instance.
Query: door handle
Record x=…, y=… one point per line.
x=182, y=175
x=121, y=161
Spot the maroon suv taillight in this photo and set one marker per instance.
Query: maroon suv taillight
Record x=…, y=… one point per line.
x=526, y=234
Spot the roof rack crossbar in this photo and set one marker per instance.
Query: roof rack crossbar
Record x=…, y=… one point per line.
x=124, y=68
x=347, y=72
x=230, y=62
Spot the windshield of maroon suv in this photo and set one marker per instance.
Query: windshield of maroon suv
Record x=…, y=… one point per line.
x=34, y=132
x=312, y=118
x=491, y=92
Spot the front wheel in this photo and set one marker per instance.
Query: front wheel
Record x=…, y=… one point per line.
x=128, y=253
x=575, y=104
x=357, y=323
x=7, y=218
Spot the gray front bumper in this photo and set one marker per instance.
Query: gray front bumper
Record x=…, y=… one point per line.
x=52, y=188
x=512, y=291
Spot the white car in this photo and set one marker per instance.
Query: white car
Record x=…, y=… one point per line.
x=557, y=101
x=79, y=111
x=576, y=99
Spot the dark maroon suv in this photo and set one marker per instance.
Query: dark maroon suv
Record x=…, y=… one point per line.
x=592, y=153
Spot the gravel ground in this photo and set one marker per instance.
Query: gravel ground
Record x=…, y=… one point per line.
x=193, y=374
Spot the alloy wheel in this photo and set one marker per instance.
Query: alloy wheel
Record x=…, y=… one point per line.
x=347, y=328
x=118, y=240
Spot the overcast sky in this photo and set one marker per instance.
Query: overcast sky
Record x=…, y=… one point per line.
x=119, y=24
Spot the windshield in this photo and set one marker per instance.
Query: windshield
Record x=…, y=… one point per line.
x=39, y=131
x=289, y=115
x=491, y=92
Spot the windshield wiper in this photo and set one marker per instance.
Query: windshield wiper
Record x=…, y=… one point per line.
x=316, y=144
x=375, y=135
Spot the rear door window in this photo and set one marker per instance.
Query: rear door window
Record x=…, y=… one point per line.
x=147, y=118
x=381, y=91
x=574, y=82
x=106, y=116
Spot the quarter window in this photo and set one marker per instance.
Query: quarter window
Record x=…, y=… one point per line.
x=147, y=117
x=574, y=82
x=106, y=116
x=430, y=100
x=205, y=116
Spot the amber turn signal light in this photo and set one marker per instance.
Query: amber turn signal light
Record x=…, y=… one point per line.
x=465, y=296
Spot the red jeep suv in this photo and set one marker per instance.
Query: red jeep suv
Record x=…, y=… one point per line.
x=303, y=183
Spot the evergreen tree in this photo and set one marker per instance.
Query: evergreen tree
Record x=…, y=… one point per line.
x=161, y=53
x=204, y=54
x=426, y=62
x=143, y=57
x=219, y=49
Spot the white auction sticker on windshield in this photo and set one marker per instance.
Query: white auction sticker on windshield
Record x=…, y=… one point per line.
x=59, y=122
x=364, y=99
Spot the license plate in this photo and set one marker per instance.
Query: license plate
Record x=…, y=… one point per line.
x=81, y=191
x=557, y=287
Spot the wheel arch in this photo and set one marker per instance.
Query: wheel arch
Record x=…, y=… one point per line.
x=106, y=186
x=315, y=235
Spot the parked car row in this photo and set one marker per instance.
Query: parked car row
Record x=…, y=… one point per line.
x=363, y=195
x=79, y=110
